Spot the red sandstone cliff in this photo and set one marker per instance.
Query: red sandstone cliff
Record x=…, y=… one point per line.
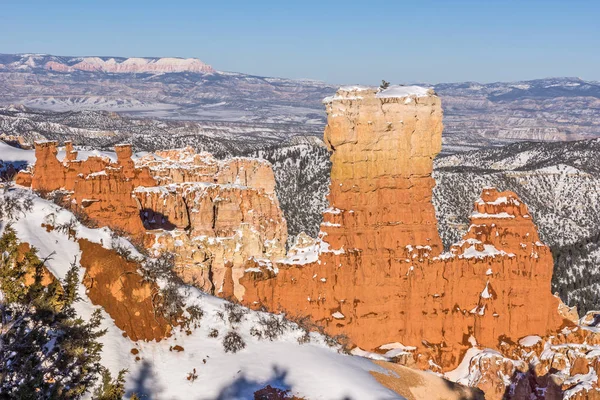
x=379, y=275
x=213, y=214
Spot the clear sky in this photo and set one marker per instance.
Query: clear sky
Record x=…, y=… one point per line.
x=335, y=41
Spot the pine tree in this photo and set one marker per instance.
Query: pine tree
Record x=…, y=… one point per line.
x=12, y=272
x=46, y=351
x=111, y=389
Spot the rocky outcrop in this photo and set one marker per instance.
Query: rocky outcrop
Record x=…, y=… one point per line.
x=382, y=158
x=51, y=174
x=563, y=365
x=413, y=384
x=206, y=209
x=184, y=166
x=114, y=283
x=213, y=214
x=98, y=187
x=378, y=273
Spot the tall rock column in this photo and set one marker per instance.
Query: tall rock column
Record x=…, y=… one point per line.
x=378, y=275
x=383, y=144
x=50, y=173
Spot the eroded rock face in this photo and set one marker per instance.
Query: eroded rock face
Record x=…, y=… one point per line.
x=378, y=274
x=563, y=365
x=382, y=158
x=214, y=229
x=114, y=283
x=213, y=214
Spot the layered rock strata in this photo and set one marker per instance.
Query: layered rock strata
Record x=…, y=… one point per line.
x=378, y=274
x=213, y=214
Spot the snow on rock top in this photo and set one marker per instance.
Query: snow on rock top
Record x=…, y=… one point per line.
x=404, y=91
x=356, y=88
x=357, y=92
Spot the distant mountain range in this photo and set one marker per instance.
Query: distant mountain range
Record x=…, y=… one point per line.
x=34, y=62
x=476, y=115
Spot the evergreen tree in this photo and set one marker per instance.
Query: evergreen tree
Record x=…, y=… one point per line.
x=111, y=389
x=46, y=351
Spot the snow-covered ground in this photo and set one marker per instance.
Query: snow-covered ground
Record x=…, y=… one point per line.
x=13, y=154
x=312, y=370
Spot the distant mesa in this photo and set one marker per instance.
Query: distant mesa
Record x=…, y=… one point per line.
x=132, y=65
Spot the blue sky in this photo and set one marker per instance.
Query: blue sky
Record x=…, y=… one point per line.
x=335, y=41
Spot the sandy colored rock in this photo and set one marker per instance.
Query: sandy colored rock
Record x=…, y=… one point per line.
x=418, y=385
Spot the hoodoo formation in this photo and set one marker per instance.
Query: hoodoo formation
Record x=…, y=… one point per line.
x=378, y=273
x=213, y=214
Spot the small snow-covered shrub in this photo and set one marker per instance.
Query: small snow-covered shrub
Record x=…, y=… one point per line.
x=67, y=228
x=161, y=267
x=305, y=338
x=14, y=203
x=257, y=333
x=192, y=376
x=270, y=327
x=50, y=220
x=233, y=342
x=119, y=246
x=82, y=217
x=339, y=340
x=58, y=197
x=170, y=302
x=235, y=313
x=214, y=333
x=195, y=314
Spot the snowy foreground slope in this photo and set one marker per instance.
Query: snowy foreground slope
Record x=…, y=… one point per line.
x=312, y=370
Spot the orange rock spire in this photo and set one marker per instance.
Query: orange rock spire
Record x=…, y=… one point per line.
x=378, y=274
x=382, y=160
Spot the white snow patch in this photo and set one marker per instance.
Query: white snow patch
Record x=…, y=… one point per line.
x=338, y=315
x=403, y=91
x=461, y=373
x=529, y=341
x=486, y=292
